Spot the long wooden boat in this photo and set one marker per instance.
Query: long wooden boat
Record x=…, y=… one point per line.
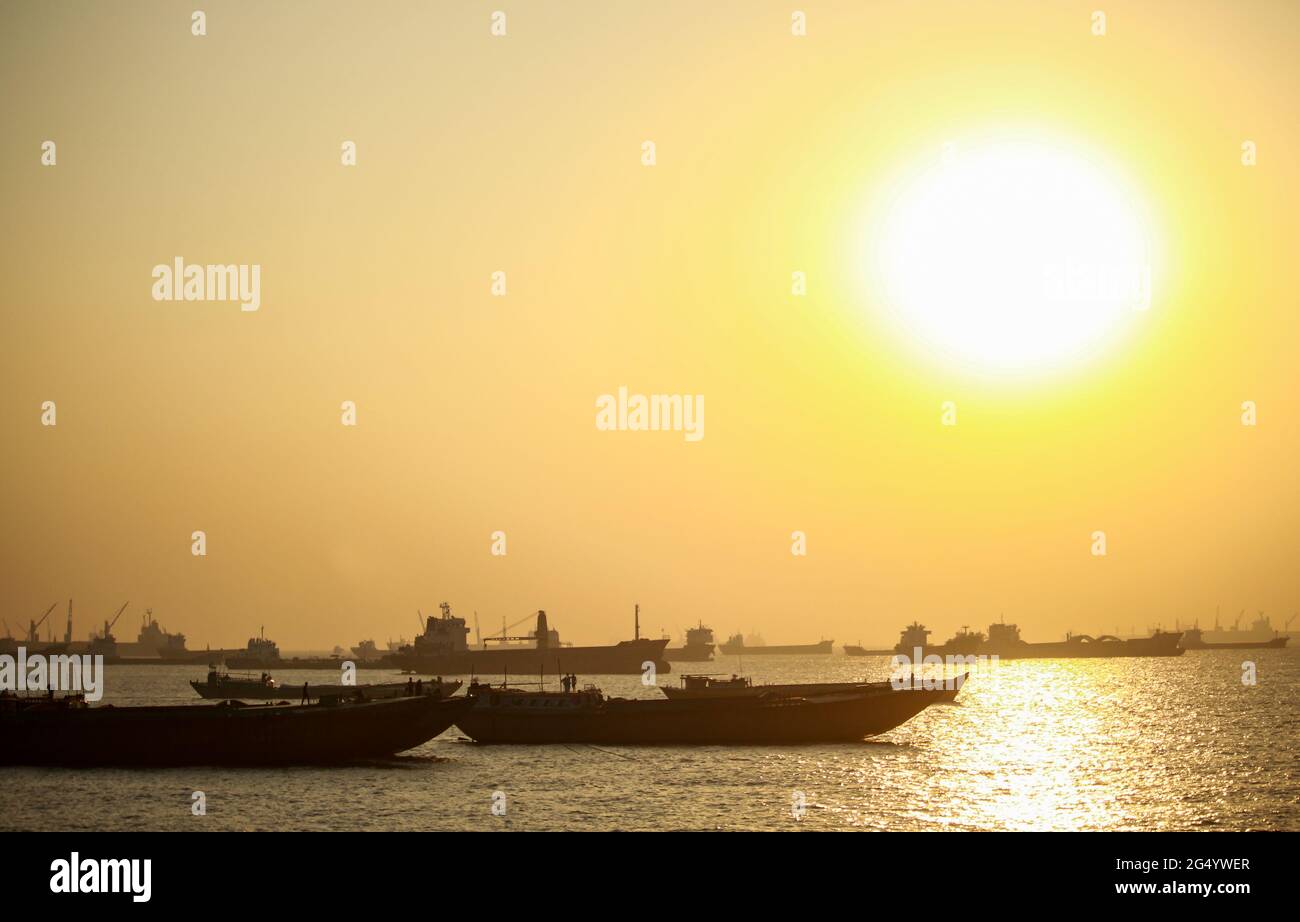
x=708, y=686
x=222, y=686
x=41, y=731
x=507, y=715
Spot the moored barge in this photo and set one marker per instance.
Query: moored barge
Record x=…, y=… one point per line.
x=66, y=731
x=508, y=715
x=224, y=686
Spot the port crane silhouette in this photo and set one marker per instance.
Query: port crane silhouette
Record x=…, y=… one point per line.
x=35, y=625
x=108, y=625
x=504, y=636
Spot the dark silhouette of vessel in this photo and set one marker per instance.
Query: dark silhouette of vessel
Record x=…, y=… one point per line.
x=1261, y=635
x=736, y=646
x=220, y=685
x=1003, y=641
x=258, y=652
x=154, y=637
x=442, y=650
x=509, y=715
x=44, y=731
x=709, y=686
x=853, y=649
x=698, y=648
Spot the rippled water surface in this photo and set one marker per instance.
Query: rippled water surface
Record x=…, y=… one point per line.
x=1057, y=744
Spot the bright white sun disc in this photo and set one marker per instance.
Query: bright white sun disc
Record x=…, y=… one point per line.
x=1014, y=256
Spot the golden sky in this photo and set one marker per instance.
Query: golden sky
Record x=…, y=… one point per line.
x=523, y=153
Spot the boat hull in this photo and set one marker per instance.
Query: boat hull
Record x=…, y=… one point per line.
x=946, y=692
x=220, y=734
x=256, y=691
x=707, y=721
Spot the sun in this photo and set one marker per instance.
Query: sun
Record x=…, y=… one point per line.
x=1014, y=256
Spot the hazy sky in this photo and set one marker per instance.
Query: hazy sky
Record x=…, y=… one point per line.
x=476, y=413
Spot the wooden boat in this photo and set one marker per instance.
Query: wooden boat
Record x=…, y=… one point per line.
x=224, y=686
x=508, y=715
x=44, y=731
x=708, y=686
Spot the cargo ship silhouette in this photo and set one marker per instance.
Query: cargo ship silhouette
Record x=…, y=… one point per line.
x=443, y=650
x=736, y=646
x=1004, y=642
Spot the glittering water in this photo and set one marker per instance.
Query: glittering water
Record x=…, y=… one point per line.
x=1061, y=744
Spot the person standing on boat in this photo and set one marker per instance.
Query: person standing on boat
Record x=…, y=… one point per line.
x=306, y=695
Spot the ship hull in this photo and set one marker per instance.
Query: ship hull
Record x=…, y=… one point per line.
x=702, y=653
x=855, y=650
x=708, y=721
x=1276, y=643
x=220, y=734
x=626, y=658
x=807, y=649
x=1078, y=648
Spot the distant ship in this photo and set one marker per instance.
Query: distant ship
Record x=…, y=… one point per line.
x=366, y=650
x=1260, y=635
x=854, y=649
x=443, y=650
x=259, y=652
x=153, y=635
x=698, y=648
x=736, y=646
x=1004, y=641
